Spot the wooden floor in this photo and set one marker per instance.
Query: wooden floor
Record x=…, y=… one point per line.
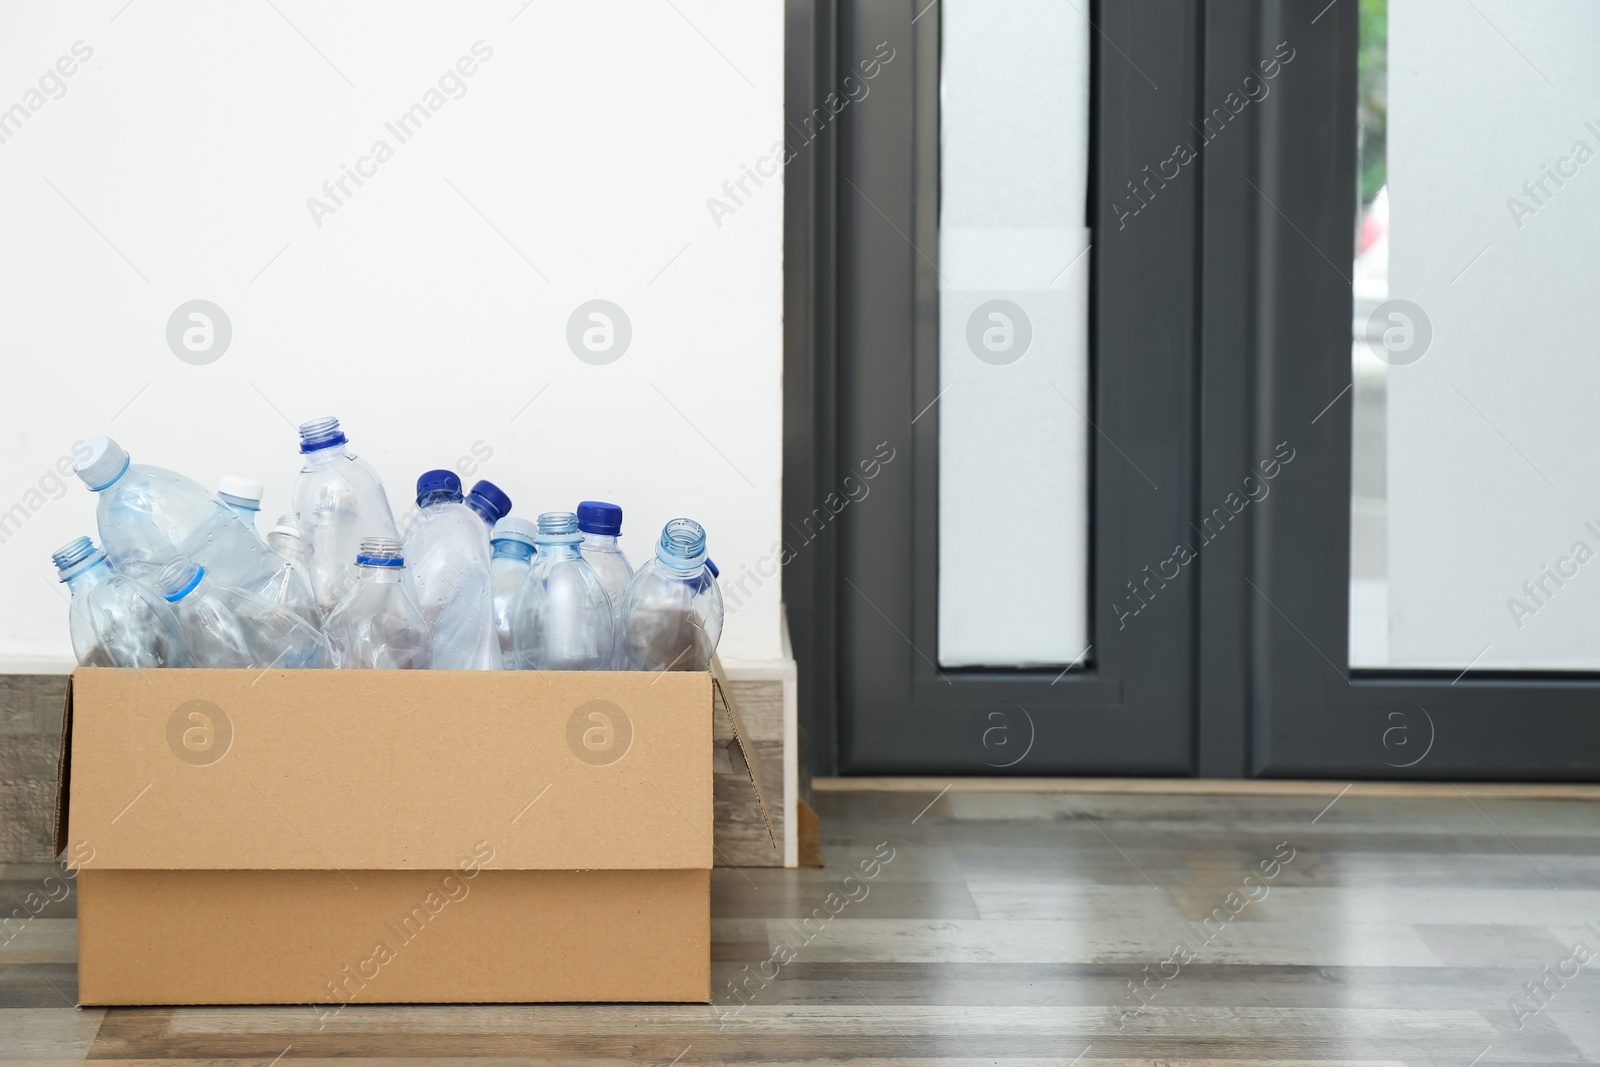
x=1006, y=929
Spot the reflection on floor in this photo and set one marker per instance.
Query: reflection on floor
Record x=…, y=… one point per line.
x=1022, y=929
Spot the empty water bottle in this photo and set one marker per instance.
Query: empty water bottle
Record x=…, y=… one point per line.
x=672, y=615
x=338, y=501
x=290, y=586
x=379, y=626
x=149, y=516
x=225, y=627
x=447, y=547
x=512, y=542
x=114, y=620
x=243, y=495
x=561, y=619
x=601, y=524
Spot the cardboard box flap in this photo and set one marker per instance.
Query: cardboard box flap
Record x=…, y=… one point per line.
x=63, y=775
x=389, y=770
x=752, y=761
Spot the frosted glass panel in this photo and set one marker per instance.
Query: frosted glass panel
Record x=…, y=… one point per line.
x=1013, y=334
x=1478, y=544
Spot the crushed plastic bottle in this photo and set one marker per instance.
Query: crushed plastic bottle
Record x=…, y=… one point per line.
x=115, y=621
x=601, y=524
x=149, y=516
x=447, y=548
x=379, y=625
x=512, y=542
x=672, y=615
x=561, y=619
x=225, y=627
x=338, y=502
x=290, y=586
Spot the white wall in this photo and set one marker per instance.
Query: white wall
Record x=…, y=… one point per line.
x=428, y=309
x=1491, y=433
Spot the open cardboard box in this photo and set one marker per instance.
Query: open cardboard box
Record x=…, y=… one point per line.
x=334, y=837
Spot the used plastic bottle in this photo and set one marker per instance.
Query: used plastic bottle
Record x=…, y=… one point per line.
x=512, y=542
x=290, y=586
x=243, y=495
x=338, y=501
x=225, y=627
x=379, y=626
x=114, y=620
x=601, y=524
x=447, y=546
x=672, y=615
x=149, y=516
x=561, y=618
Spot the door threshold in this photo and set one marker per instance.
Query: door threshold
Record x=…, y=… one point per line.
x=1264, y=787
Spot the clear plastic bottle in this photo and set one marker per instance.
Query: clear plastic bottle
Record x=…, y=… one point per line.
x=512, y=542
x=243, y=495
x=601, y=524
x=672, y=615
x=561, y=619
x=290, y=586
x=225, y=627
x=379, y=626
x=447, y=548
x=114, y=620
x=149, y=516
x=338, y=501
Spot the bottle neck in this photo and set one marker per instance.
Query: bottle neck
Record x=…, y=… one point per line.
x=88, y=576
x=438, y=496
x=600, y=542
x=326, y=457
x=553, y=550
x=513, y=550
x=380, y=575
x=482, y=510
x=247, y=514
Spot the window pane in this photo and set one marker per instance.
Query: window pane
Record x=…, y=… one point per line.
x=1475, y=531
x=1013, y=333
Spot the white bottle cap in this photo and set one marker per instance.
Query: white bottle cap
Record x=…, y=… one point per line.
x=286, y=526
x=245, y=490
x=102, y=464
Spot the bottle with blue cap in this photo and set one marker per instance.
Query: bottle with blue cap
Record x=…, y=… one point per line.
x=338, y=501
x=149, y=516
x=226, y=628
x=115, y=621
x=512, y=545
x=243, y=495
x=561, y=618
x=379, y=625
x=447, y=547
x=672, y=615
x=601, y=524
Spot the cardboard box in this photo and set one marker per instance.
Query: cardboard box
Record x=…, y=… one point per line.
x=333, y=837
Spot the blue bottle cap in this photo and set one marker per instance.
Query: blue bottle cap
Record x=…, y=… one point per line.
x=491, y=500
x=598, y=517
x=438, y=481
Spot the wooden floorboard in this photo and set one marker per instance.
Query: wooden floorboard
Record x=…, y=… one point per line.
x=1247, y=787
x=1014, y=928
